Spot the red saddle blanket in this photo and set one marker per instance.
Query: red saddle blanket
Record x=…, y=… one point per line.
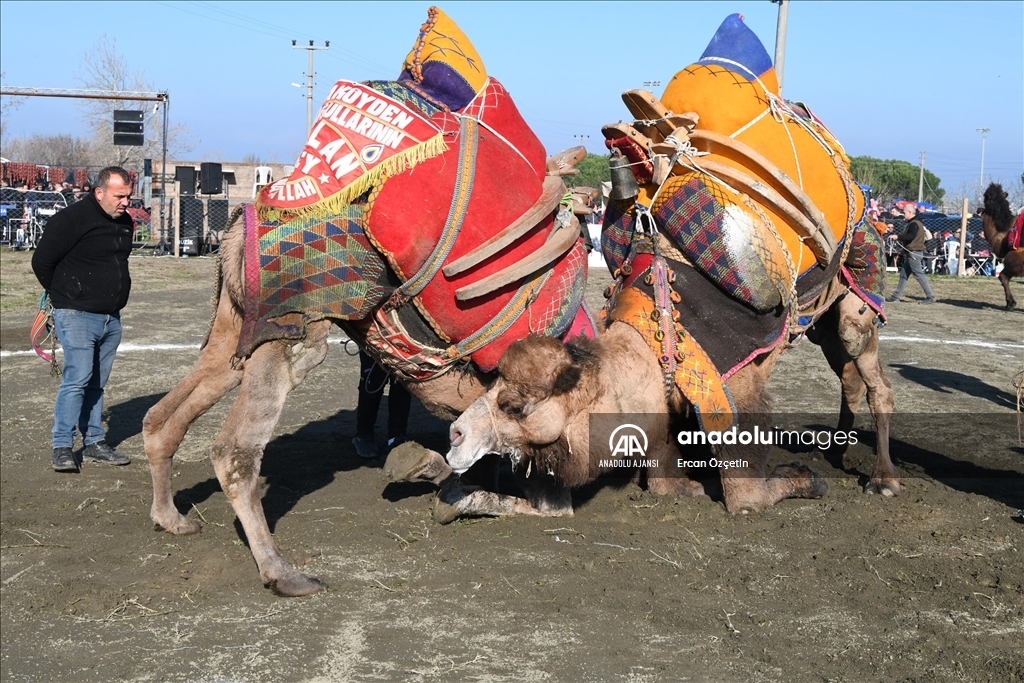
x=490, y=176
x=418, y=221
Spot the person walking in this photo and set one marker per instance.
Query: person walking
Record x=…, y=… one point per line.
x=372, y=380
x=913, y=240
x=82, y=262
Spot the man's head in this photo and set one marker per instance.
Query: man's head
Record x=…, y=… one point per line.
x=113, y=190
x=909, y=211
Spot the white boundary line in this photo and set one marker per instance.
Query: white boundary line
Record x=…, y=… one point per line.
x=129, y=347
x=961, y=342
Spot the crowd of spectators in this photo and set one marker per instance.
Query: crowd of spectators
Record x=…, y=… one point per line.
x=26, y=206
x=942, y=243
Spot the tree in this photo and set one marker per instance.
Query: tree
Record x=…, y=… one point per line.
x=894, y=179
x=104, y=69
x=593, y=171
x=63, y=150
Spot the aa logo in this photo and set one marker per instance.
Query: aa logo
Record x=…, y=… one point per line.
x=371, y=153
x=628, y=441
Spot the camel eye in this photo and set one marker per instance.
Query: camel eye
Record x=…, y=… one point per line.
x=511, y=403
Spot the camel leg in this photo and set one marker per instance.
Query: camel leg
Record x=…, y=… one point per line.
x=166, y=423
x=456, y=498
x=544, y=499
x=274, y=369
x=1004, y=278
x=849, y=340
x=668, y=480
x=745, y=484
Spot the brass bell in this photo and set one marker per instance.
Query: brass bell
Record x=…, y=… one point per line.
x=624, y=185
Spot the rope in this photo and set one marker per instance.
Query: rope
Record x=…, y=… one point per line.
x=43, y=330
x=366, y=379
x=780, y=111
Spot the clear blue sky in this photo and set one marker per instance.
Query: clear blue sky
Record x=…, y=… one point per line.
x=891, y=79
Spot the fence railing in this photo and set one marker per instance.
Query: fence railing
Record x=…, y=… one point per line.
x=198, y=223
x=942, y=250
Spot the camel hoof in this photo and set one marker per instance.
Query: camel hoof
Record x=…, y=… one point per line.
x=296, y=584
x=183, y=526
x=452, y=500
x=444, y=513
x=412, y=462
x=678, y=486
x=888, y=489
x=803, y=481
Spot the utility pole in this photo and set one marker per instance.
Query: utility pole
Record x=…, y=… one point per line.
x=309, y=78
x=780, y=40
x=981, y=180
x=920, y=182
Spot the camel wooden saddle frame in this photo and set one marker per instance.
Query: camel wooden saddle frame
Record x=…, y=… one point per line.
x=665, y=137
x=561, y=239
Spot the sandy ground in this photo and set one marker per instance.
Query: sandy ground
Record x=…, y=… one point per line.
x=928, y=586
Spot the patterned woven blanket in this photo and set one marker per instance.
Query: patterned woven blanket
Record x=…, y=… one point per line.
x=320, y=268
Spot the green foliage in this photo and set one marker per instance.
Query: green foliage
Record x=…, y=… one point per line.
x=894, y=179
x=593, y=170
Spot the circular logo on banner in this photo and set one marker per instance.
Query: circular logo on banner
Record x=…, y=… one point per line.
x=628, y=441
x=371, y=153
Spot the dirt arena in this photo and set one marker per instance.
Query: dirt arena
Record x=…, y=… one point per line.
x=928, y=586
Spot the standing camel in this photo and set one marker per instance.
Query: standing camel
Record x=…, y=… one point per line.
x=1002, y=231
x=434, y=274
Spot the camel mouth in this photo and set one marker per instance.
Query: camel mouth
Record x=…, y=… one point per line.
x=458, y=461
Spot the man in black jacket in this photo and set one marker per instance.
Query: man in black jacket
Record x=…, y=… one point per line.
x=913, y=238
x=82, y=261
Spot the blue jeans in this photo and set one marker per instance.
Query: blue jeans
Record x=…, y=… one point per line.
x=90, y=342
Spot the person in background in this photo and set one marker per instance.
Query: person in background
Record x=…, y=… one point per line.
x=372, y=380
x=912, y=240
x=951, y=249
x=82, y=261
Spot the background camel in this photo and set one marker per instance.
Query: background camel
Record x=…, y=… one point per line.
x=998, y=225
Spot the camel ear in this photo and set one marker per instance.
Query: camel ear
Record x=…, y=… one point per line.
x=1005, y=195
x=567, y=379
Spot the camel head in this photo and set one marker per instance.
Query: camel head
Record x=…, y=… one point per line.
x=997, y=207
x=528, y=411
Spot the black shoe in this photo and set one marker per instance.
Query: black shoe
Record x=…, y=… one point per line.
x=101, y=452
x=366, y=446
x=929, y=300
x=64, y=460
x=892, y=299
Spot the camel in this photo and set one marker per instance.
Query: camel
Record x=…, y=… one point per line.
x=496, y=255
x=997, y=225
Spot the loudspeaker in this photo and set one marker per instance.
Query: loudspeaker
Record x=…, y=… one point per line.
x=217, y=213
x=186, y=177
x=190, y=224
x=211, y=178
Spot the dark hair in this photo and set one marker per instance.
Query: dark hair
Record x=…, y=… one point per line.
x=104, y=177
